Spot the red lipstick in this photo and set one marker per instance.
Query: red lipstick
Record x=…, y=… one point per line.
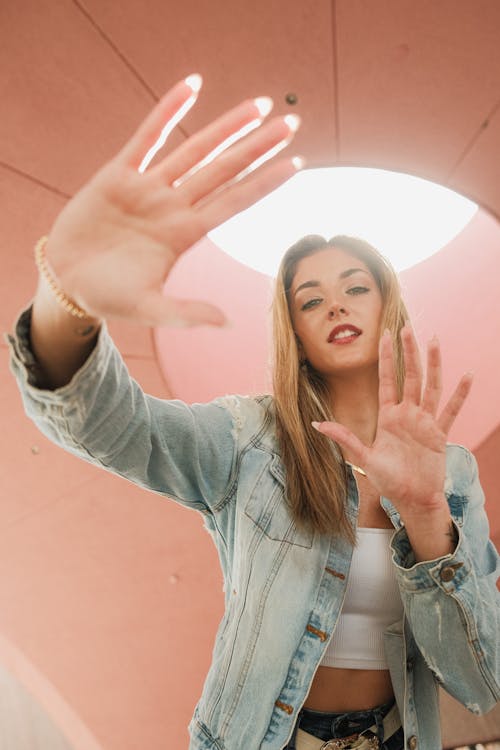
x=344, y=334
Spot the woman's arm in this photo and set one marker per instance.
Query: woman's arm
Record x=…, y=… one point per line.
x=448, y=584
x=108, y=255
x=116, y=241
x=60, y=342
x=452, y=603
x=185, y=452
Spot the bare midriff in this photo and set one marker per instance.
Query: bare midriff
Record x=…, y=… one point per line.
x=335, y=690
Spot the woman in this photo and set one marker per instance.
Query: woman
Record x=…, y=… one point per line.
x=332, y=302
x=358, y=570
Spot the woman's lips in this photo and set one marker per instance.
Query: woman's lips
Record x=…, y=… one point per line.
x=344, y=334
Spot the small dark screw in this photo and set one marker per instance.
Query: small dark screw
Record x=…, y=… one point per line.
x=291, y=98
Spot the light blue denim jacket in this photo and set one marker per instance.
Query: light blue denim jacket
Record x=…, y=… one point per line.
x=284, y=588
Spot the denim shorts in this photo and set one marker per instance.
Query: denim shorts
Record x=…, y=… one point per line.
x=327, y=726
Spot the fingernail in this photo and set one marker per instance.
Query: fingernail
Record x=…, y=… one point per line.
x=194, y=82
x=316, y=425
x=227, y=324
x=293, y=122
x=387, y=332
x=298, y=162
x=264, y=104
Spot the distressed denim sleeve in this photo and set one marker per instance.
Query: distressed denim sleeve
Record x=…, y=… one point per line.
x=452, y=603
x=184, y=452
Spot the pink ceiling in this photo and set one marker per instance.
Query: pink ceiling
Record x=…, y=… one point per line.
x=113, y=595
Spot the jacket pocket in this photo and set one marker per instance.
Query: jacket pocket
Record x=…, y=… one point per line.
x=266, y=506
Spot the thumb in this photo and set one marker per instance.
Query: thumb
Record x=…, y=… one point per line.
x=345, y=438
x=157, y=310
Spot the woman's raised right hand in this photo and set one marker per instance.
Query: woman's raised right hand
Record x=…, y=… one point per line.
x=115, y=242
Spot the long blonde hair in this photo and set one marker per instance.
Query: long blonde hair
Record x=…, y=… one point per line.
x=315, y=470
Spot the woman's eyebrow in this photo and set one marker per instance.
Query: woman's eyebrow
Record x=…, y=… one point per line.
x=343, y=275
x=350, y=271
x=306, y=285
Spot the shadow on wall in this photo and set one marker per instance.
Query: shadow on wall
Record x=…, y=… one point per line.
x=24, y=725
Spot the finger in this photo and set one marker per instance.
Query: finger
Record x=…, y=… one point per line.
x=346, y=439
x=243, y=194
x=433, y=382
x=454, y=405
x=412, y=389
x=155, y=129
x=387, y=392
x=157, y=310
x=265, y=142
x=205, y=145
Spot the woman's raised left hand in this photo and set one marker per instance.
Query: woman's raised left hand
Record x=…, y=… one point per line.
x=407, y=461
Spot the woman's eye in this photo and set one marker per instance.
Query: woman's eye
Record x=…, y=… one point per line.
x=358, y=290
x=311, y=303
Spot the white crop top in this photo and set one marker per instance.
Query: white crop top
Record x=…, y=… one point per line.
x=372, y=602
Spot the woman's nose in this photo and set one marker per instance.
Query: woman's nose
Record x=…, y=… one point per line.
x=336, y=309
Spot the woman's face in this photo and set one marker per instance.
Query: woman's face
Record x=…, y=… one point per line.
x=336, y=310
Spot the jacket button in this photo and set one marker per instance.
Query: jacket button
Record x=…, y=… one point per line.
x=412, y=742
x=447, y=574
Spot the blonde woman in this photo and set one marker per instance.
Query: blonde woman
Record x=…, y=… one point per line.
x=354, y=544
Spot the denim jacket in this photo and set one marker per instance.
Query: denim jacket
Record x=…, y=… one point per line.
x=284, y=588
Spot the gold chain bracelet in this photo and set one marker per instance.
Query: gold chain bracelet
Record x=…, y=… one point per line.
x=43, y=266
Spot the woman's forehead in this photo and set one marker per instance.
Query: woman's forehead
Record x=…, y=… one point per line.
x=329, y=261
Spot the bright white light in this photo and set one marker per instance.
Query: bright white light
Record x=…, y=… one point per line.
x=405, y=217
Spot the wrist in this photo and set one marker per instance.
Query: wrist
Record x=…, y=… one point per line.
x=47, y=308
x=52, y=283
x=431, y=534
x=435, y=508
x=60, y=342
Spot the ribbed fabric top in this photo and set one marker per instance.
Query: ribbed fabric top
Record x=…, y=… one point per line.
x=372, y=602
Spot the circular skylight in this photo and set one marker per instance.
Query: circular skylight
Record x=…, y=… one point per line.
x=405, y=217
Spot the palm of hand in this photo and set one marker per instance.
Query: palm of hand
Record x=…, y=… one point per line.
x=407, y=461
x=114, y=244
x=408, y=445
x=142, y=228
